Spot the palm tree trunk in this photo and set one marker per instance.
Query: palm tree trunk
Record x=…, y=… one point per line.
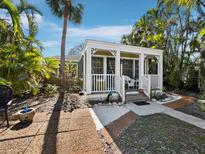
x=202, y=69
x=63, y=43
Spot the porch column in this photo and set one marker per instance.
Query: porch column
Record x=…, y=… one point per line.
x=141, y=70
x=88, y=71
x=160, y=71
x=104, y=65
x=84, y=73
x=133, y=68
x=117, y=63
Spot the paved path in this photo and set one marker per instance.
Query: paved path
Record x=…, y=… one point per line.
x=59, y=132
x=103, y=118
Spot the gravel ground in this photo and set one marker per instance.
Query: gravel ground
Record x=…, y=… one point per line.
x=70, y=102
x=193, y=109
x=45, y=104
x=159, y=134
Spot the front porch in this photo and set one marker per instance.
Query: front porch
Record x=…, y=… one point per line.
x=110, y=67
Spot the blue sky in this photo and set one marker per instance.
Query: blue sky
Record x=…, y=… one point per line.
x=103, y=20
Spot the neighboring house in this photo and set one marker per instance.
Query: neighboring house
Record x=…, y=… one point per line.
x=72, y=66
x=123, y=69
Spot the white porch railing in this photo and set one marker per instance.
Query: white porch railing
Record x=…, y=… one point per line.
x=107, y=83
x=112, y=82
x=150, y=82
x=103, y=82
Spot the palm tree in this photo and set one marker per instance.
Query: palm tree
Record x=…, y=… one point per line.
x=15, y=17
x=66, y=10
x=30, y=11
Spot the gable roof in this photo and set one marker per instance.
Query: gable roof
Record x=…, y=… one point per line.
x=73, y=58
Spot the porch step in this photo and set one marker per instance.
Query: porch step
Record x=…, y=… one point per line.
x=136, y=98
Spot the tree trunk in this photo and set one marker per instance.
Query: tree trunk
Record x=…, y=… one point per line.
x=63, y=43
x=202, y=69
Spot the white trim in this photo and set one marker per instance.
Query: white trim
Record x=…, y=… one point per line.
x=101, y=56
x=105, y=65
x=88, y=71
x=119, y=47
x=129, y=58
x=84, y=73
x=133, y=70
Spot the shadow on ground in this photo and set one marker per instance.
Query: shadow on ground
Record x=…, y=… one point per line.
x=20, y=125
x=50, y=144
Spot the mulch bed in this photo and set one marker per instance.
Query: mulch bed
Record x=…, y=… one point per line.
x=193, y=109
x=160, y=133
x=188, y=105
x=185, y=100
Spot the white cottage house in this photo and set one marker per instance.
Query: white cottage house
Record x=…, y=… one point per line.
x=121, y=69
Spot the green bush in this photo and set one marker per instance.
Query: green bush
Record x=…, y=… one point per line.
x=202, y=96
x=4, y=82
x=202, y=107
x=74, y=85
x=49, y=89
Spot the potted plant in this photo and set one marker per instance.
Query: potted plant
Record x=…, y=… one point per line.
x=26, y=114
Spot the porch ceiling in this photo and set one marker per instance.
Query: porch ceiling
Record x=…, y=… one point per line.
x=123, y=54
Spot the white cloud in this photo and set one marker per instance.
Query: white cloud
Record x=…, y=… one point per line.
x=52, y=27
x=51, y=43
x=100, y=32
x=37, y=18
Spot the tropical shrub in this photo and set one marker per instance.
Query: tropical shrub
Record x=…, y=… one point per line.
x=177, y=27
x=49, y=89
x=21, y=62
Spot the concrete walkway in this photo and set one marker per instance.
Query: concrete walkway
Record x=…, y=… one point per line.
x=104, y=115
x=59, y=132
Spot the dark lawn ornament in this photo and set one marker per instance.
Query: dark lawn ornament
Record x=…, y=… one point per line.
x=109, y=96
x=6, y=95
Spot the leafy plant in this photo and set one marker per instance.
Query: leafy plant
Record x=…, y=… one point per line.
x=4, y=82
x=177, y=27
x=49, y=89
x=21, y=62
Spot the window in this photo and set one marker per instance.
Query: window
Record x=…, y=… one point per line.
x=151, y=65
x=110, y=65
x=97, y=65
x=127, y=67
x=136, y=69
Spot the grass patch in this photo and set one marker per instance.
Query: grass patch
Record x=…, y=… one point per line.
x=161, y=133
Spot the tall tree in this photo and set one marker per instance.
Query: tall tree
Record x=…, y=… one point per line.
x=69, y=12
x=30, y=11
x=15, y=17
x=173, y=26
